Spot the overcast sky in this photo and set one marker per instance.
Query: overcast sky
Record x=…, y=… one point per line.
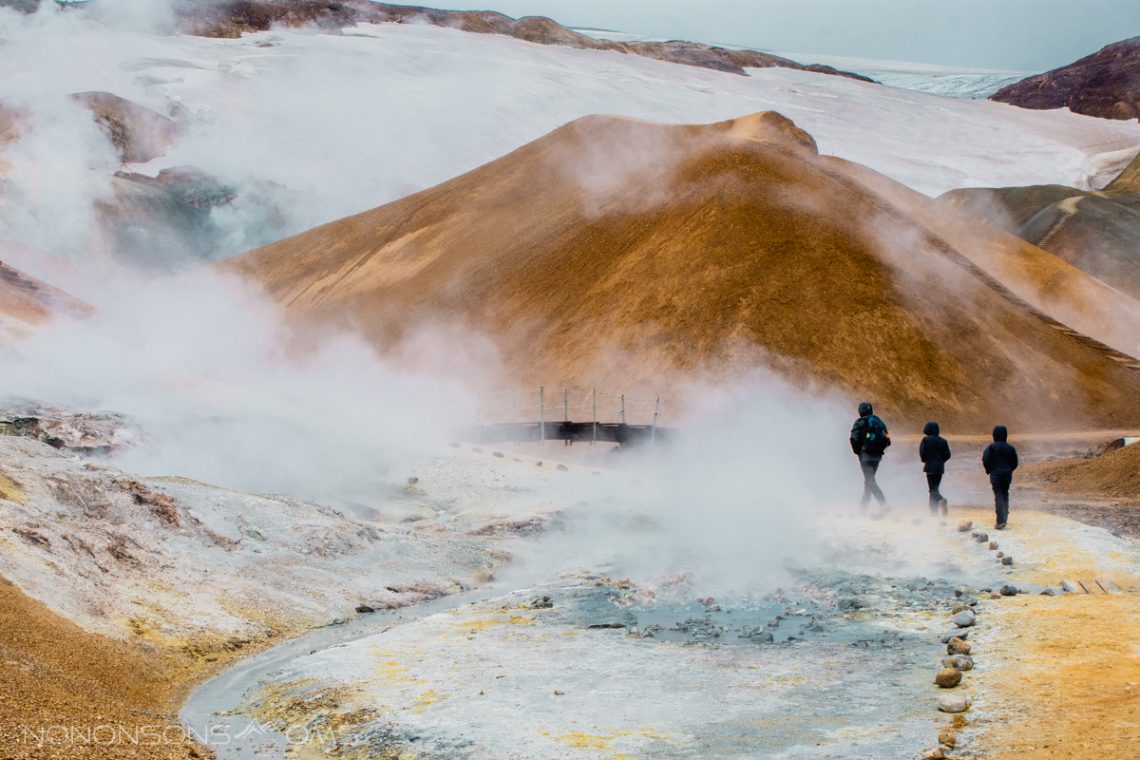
x=1023, y=35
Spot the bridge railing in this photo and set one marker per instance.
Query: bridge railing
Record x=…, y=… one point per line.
x=568, y=409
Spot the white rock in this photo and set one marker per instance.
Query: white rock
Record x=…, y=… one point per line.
x=953, y=702
x=964, y=618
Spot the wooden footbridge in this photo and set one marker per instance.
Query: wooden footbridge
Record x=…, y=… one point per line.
x=571, y=416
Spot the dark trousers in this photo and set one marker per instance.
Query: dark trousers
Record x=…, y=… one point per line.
x=1001, y=484
x=933, y=480
x=870, y=487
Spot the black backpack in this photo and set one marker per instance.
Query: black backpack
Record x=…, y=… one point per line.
x=876, y=438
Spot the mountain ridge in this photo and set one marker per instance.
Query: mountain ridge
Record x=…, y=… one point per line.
x=1096, y=231
x=726, y=256
x=232, y=18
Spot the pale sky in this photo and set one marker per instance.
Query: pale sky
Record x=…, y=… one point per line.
x=1023, y=35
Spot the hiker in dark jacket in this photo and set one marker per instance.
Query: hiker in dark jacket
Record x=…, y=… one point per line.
x=869, y=439
x=934, y=451
x=1000, y=460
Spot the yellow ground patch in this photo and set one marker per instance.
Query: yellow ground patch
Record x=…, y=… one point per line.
x=478, y=625
x=389, y=669
x=1071, y=673
x=10, y=490
x=604, y=741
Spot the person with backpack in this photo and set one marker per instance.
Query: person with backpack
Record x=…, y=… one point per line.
x=869, y=441
x=1000, y=460
x=934, y=451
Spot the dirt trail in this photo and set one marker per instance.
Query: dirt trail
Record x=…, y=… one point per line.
x=1071, y=678
x=1058, y=676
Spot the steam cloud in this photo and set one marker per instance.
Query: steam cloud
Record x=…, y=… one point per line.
x=55, y=172
x=212, y=378
x=752, y=491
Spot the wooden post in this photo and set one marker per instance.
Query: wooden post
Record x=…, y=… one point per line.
x=656, y=411
x=595, y=415
x=622, y=397
x=541, y=413
x=566, y=415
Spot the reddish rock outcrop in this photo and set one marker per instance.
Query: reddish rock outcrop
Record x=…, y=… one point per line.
x=138, y=133
x=1105, y=84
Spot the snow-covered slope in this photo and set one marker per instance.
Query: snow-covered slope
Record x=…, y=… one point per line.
x=329, y=125
x=935, y=79
x=954, y=84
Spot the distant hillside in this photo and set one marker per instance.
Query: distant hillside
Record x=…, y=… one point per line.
x=229, y=18
x=1096, y=231
x=1105, y=84
x=614, y=252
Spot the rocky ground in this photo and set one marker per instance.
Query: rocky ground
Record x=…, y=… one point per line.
x=1121, y=520
x=1112, y=475
x=1058, y=676
x=166, y=558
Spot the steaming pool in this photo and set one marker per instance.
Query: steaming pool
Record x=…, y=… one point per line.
x=839, y=666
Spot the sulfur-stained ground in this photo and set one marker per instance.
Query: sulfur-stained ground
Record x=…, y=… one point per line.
x=68, y=693
x=1059, y=676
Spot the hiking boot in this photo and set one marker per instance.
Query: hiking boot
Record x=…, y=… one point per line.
x=1000, y=526
x=944, y=506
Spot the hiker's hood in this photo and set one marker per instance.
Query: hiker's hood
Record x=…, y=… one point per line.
x=1000, y=433
x=931, y=428
x=865, y=409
